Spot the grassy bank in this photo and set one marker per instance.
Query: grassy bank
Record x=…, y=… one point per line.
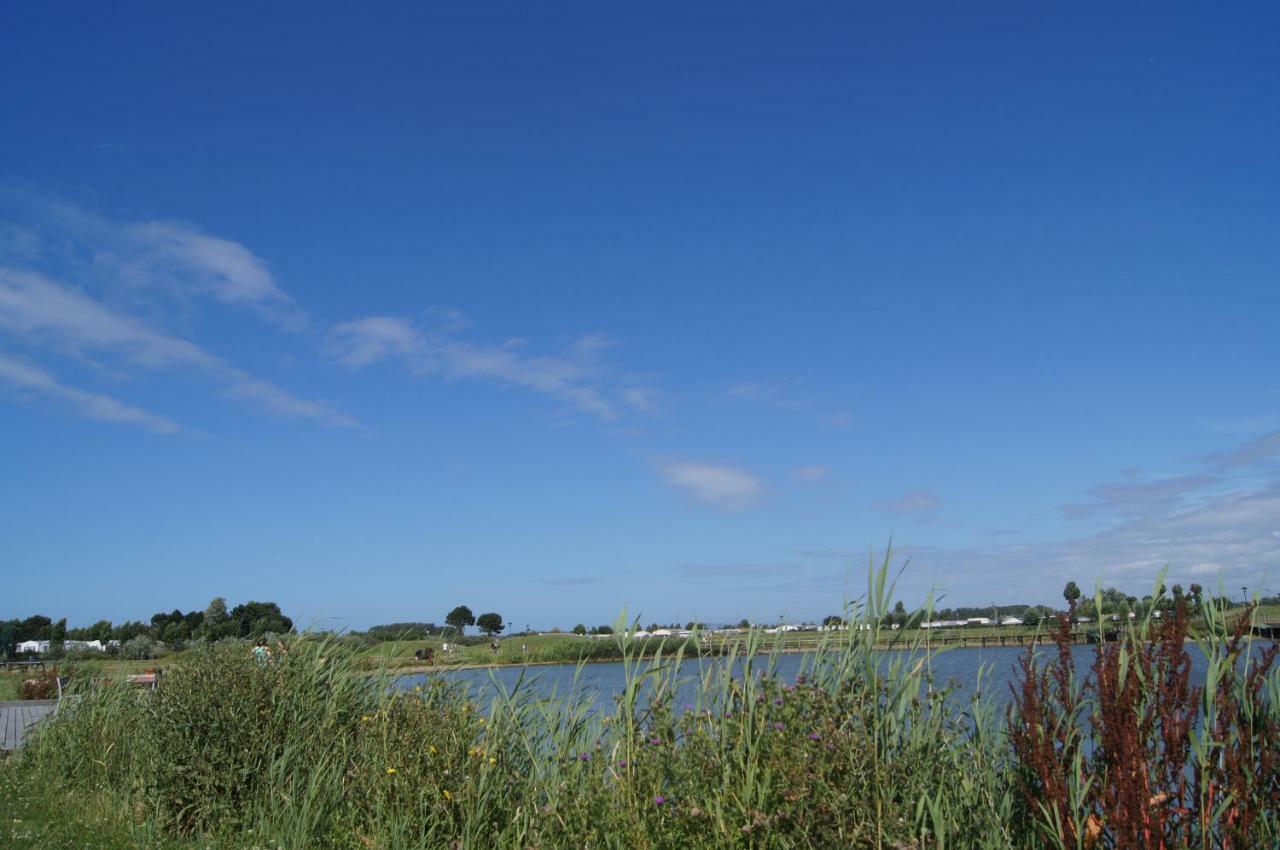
x=307, y=752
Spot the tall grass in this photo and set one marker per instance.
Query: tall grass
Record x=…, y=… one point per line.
x=864, y=749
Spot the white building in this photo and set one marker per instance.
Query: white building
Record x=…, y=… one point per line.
x=38, y=646
x=1010, y=621
x=94, y=645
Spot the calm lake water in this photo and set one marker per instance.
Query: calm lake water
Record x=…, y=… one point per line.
x=994, y=668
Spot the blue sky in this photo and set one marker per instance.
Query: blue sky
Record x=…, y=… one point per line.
x=375, y=313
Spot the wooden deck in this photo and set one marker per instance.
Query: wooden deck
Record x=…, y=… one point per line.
x=17, y=717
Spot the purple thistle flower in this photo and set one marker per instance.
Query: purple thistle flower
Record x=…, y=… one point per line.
x=778, y=701
x=779, y=726
x=584, y=757
x=814, y=736
x=659, y=800
x=655, y=741
x=622, y=763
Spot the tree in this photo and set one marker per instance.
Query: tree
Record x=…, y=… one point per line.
x=490, y=623
x=35, y=627
x=744, y=623
x=215, y=615
x=1071, y=593
x=459, y=618
x=833, y=620
x=1197, y=595
x=138, y=648
x=579, y=629
x=253, y=619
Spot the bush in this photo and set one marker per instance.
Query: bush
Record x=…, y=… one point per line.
x=138, y=648
x=41, y=686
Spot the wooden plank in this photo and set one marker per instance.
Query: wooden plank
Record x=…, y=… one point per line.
x=16, y=718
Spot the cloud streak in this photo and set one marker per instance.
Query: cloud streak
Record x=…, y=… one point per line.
x=157, y=255
x=46, y=312
x=728, y=488
x=90, y=404
x=576, y=378
x=911, y=503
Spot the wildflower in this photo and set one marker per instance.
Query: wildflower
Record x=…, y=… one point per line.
x=622, y=763
x=366, y=718
x=391, y=771
x=778, y=701
x=779, y=726
x=447, y=795
x=584, y=757
x=659, y=800
x=481, y=721
x=814, y=736
x=432, y=749
x=492, y=760
x=655, y=741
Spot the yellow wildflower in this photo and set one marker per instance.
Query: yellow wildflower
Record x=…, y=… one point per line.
x=391, y=771
x=433, y=749
x=492, y=760
x=447, y=795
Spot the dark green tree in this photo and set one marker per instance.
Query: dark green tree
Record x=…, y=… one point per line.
x=459, y=618
x=214, y=618
x=1197, y=595
x=579, y=629
x=490, y=623
x=253, y=619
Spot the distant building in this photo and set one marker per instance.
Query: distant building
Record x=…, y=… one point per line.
x=85, y=645
x=40, y=647
x=1010, y=621
x=979, y=621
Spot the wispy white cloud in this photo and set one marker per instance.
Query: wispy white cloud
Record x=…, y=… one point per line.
x=729, y=488
x=1221, y=521
x=42, y=309
x=810, y=474
x=1234, y=535
x=1259, y=450
x=202, y=264
x=913, y=502
x=576, y=378
x=777, y=396
x=1138, y=498
x=375, y=338
x=93, y=405
x=46, y=312
x=169, y=256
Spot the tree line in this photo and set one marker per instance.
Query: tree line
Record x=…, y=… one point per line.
x=173, y=628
